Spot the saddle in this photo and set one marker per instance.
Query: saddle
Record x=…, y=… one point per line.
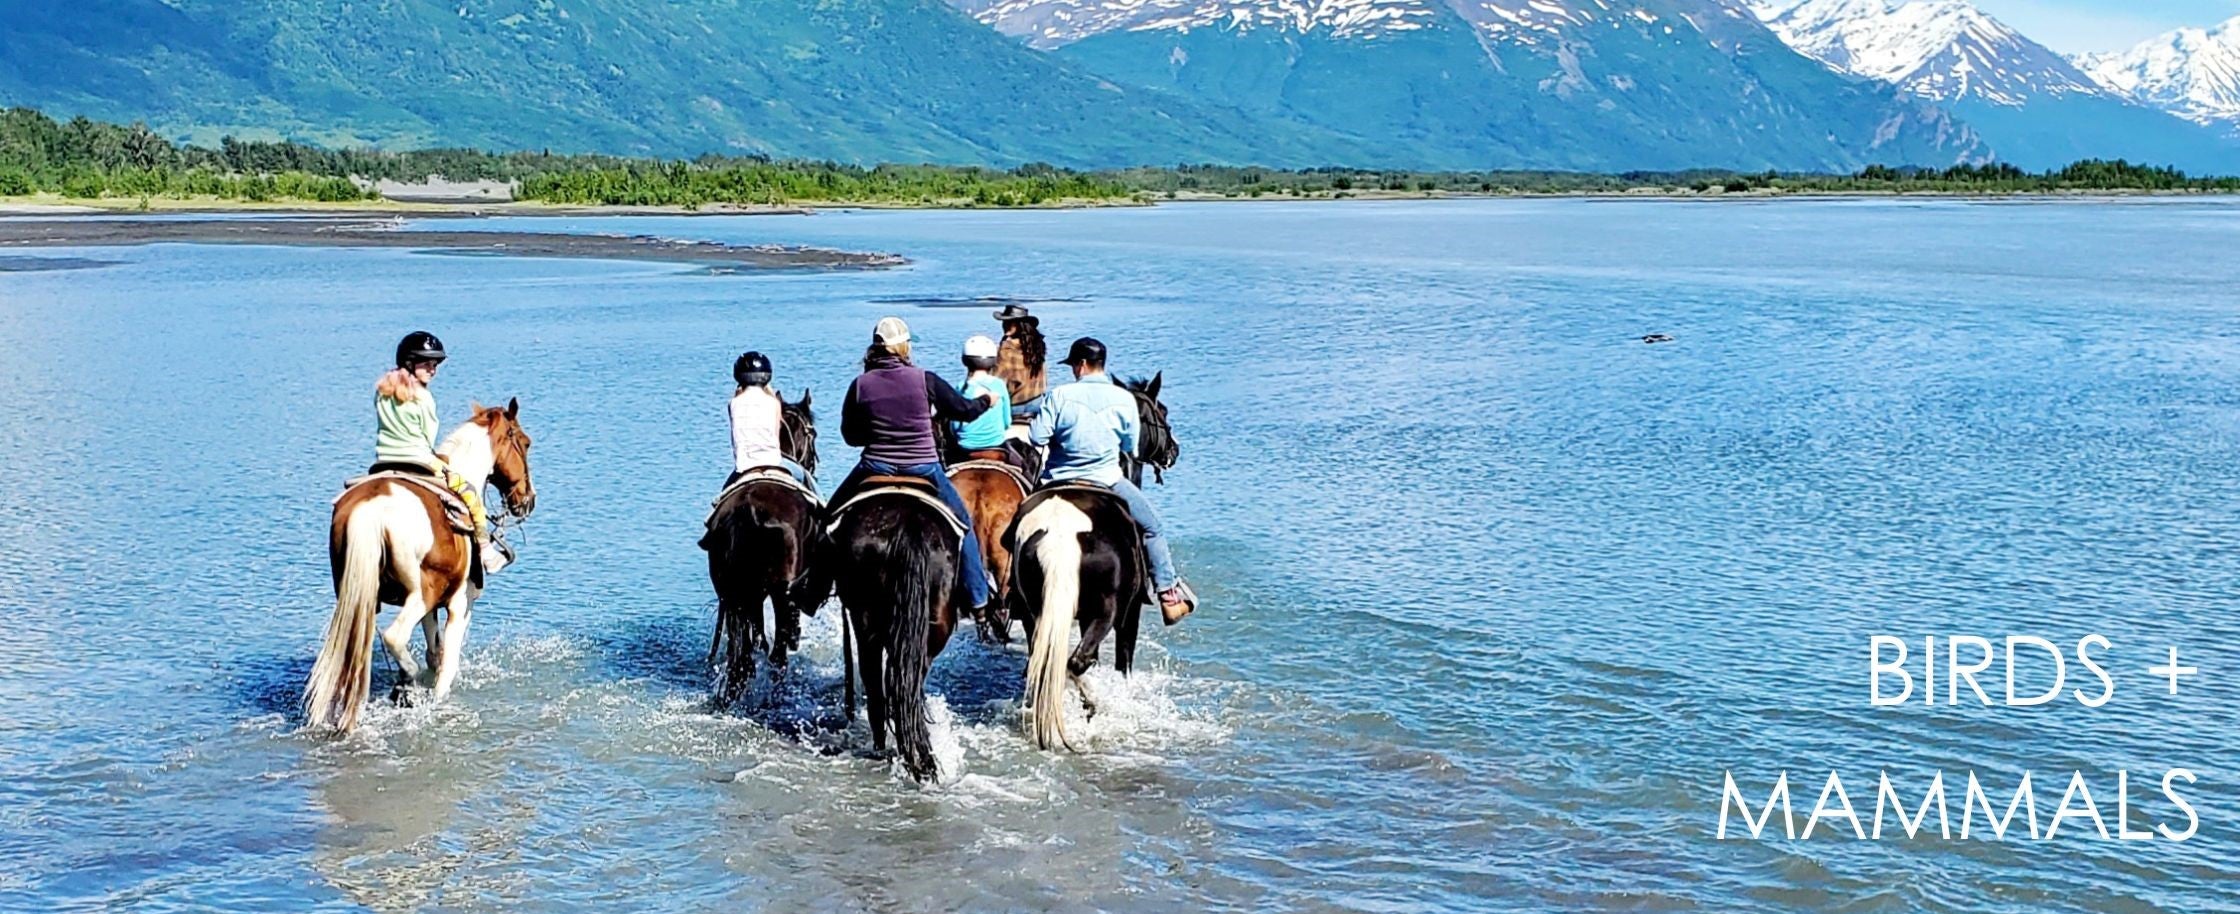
x=454, y=507
x=911, y=486
x=989, y=463
x=1056, y=489
x=772, y=475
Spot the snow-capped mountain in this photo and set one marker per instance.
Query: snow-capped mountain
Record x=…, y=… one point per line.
x=1941, y=49
x=2035, y=107
x=1571, y=84
x=2193, y=73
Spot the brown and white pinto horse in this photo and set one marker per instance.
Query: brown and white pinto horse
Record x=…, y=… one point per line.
x=1079, y=561
x=390, y=543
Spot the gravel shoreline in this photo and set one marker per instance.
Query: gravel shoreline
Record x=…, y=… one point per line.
x=384, y=233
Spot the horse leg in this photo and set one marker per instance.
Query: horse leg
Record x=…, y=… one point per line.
x=743, y=620
x=786, y=618
x=872, y=666
x=454, y=640
x=398, y=639
x=430, y=643
x=1095, y=625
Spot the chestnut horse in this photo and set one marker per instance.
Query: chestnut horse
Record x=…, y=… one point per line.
x=1079, y=560
x=391, y=543
x=992, y=490
x=763, y=542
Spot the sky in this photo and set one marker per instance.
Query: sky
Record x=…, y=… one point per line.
x=2077, y=26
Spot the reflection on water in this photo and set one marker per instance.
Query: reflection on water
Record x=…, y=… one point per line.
x=1495, y=592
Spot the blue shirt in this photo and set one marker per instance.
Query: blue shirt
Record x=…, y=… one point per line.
x=1087, y=424
x=986, y=431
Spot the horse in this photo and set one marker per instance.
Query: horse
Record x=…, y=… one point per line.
x=1078, y=560
x=992, y=483
x=893, y=557
x=390, y=543
x=763, y=540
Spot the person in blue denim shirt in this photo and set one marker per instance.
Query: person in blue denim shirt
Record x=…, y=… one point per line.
x=1087, y=425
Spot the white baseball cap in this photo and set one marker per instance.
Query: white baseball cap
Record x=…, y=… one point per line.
x=890, y=332
x=979, y=346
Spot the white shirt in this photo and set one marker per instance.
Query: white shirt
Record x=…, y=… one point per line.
x=755, y=416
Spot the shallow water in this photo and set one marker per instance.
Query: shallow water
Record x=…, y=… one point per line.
x=1496, y=592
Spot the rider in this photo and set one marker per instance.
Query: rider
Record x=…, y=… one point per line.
x=889, y=412
x=1087, y=425
x=756, y=417
x=1019, y=361
x=405, y=439
x=982, y=438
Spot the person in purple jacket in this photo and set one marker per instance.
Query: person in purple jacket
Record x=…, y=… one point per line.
x=889, y=413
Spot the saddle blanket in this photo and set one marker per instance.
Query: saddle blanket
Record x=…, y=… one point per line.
x=1025, y=485
x=454, y=507
x=761, y=474
x=925, y=495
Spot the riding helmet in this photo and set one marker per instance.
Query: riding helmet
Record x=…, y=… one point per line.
x=751, y=370
x=419, y=346
x=1086, y=350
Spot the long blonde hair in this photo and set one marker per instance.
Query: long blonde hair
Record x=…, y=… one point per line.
x=400, y=385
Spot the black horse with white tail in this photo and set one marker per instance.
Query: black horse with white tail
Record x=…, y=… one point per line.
x=1078, y=561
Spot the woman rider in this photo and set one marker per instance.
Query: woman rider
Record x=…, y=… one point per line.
x=889, y=413
x=756, y=418
x=1019, y=361
x=405, y=436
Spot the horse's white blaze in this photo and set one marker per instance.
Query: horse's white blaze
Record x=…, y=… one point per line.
x=394, y=525
x=1057, y=553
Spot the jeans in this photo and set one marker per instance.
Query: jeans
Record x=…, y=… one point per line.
x=970, y=563
x=1024, y=411
x=1154, y=535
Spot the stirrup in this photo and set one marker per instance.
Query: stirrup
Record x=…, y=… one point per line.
x=1174, y=614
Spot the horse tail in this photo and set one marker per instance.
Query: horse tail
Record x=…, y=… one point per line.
x=1055, y=543
x=344, y=671
x=913, y=591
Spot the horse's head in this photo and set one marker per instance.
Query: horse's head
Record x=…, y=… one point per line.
x=1156, y=445
x=509, y=454
x=797, y=433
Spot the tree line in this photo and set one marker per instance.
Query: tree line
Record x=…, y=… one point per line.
x=88, y=159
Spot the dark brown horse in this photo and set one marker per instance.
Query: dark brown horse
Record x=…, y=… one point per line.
x=1079, y=561
x=762, y=543
x=893, y=558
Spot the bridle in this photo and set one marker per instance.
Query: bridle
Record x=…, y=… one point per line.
x=1158, y=433
x=798, y=429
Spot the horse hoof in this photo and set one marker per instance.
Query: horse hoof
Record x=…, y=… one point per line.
x=401, y=696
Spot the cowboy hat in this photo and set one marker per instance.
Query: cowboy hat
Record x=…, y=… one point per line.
x=1016, y=312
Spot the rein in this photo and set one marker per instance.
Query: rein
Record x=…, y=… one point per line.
x=1155, y=420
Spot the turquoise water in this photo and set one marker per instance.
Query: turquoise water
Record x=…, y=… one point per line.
x=1497, y=594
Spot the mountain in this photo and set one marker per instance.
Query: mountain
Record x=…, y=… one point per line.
x=1564, y=84
x=851, y=80
x=2192, y=73
x=2034, y=107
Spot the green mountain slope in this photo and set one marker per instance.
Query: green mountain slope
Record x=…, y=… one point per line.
x=852, y=80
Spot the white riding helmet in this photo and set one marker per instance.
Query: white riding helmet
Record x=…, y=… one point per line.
x=979, y=346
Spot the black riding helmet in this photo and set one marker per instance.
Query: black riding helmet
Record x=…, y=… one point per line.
x=751, y=370
x=419, y=346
